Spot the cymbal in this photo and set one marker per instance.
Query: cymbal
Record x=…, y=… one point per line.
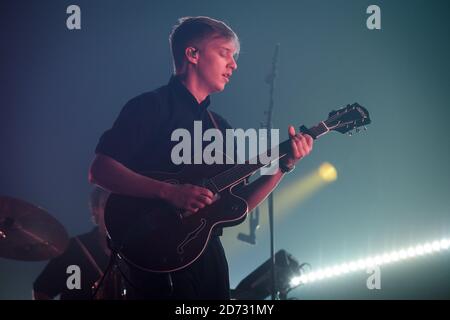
x=28, y=232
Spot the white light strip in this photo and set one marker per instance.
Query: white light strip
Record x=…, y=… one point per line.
x=364, y=264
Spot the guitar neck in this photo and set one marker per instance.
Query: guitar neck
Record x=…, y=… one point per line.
x=241, y=171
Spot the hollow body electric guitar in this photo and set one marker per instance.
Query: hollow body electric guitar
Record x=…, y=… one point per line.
x=152, y=235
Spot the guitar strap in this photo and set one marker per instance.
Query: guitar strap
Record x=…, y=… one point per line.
x=213, y=120
x=215, y=124
x=89, y=256
x=247, y=180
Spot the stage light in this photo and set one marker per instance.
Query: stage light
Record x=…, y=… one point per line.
x=378, y=260
x=327, y=172
x=257, y=285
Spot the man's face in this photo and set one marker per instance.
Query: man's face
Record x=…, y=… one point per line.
x=216, y=63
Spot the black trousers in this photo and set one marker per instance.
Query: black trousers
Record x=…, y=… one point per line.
x=205, y=279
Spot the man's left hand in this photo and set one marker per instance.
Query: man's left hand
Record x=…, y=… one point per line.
x=301, y=146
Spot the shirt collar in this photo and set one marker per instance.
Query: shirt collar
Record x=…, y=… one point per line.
x=185, y=97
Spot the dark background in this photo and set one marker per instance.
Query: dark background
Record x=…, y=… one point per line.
x=61, y=89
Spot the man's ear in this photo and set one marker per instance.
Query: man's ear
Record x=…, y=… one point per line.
x=191, y=54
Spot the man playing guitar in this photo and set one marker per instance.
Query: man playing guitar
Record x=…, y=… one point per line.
x=204, y=53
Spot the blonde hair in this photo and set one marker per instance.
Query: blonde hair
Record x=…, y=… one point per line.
x=190, y=31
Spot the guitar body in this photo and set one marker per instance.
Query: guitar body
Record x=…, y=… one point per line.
x=154, y=236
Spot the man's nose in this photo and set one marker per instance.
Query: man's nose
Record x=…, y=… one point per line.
x=233, y=64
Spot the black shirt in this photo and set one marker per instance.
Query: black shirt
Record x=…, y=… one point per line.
x=140, y=138
x=53, y=279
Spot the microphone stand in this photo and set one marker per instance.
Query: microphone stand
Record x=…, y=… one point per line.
x=271, y=81
x=253, y=225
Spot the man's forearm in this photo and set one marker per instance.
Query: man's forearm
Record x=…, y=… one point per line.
x=257, y=191
x=117, y=178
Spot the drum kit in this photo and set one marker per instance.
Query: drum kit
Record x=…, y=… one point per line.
x=30, y=233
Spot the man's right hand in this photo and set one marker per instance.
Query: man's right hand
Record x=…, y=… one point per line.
x=117, y=178
x=187, y=196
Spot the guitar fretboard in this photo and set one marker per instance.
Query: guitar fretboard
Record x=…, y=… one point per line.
x=241, y=171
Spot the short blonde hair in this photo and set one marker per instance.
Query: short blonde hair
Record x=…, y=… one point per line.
x=190, y=31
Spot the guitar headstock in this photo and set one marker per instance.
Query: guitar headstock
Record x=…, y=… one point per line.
x=348, y=118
